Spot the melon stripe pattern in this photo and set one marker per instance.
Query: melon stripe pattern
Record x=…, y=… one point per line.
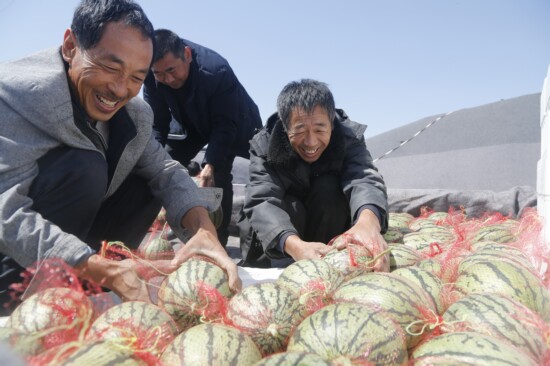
x=506, y=279
x=293, y=359
x=103, y=354
x=401, y=298
x=469, y=348
x=500, y=317
x=349, y=333
x=425, y=280
x=402, y=256
x=314, y=280
x=268, y=313
x=211, y=345
x=497, y=233
x=195, y=292
x=136, y=324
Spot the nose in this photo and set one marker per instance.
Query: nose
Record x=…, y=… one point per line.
x=120, y=86
x=310, y=139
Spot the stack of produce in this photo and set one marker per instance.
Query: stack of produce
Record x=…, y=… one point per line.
x=462, y=291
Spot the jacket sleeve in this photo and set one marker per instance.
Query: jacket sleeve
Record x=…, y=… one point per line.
x=223, y=107
x=363, y=184
x=162, y=114
x=25, y=235
x=263, y=204
x=170, y=182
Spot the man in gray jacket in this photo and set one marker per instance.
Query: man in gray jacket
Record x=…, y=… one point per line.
x=78, y=161
x=311, y=179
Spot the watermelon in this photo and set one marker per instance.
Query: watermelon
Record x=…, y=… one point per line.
x=136, y=324
x=58, y=315
x=349, y=333
x=102, y=353
x=399, y=220
x=314, y=280
x=211, y=345
x=393, y=235
x=268, y=313
x=501, y=277
x=469, y=348
x=402, y=256
x=500, y=233
x=500, y=317
x=196, y=292
x=293, y=359
x=155, y=249
x=404, y=300
x=425, y=280
x=351, y=261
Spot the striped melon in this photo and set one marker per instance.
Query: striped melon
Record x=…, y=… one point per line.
x=404, y=300
x=500, y=317
x=421, y=222
x=314, y=280
x=268, y=313
x=399, y=220
x=421, y=240
x=22, y=343
x=135, y=324
x=349, y=333
x=293, y=359
x=469, y=348
x=197, y=291
x=402, y=256
x=432, y=265
x=351, y=261
x=155, y=249
x=56, y=314
x=102, y=353
x=211, y=345
x=499, y=233
x=393, y=235
x=425, y=280
x=517, y=282
x=516, y=258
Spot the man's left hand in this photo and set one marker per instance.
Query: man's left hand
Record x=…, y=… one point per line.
x=206, y=177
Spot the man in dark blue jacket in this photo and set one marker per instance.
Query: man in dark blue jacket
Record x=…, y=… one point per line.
x=196, y=87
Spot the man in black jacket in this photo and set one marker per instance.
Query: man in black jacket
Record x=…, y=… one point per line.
x=311, y=179
x=196, y=87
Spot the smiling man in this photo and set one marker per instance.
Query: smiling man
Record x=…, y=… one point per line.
x=79, y=163
x=311, y=179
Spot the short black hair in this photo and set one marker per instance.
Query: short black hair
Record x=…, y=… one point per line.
x=167, y=41
x=305, y=94
x=91, y=17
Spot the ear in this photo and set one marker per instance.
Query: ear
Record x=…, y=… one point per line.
x=188, y=54
x=68, y=48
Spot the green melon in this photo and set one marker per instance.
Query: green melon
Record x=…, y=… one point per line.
x=505, y=278
x=402, y=256
x=268, y=313
x=196, y=292
x=499, y=233
x=500, y=317
x=469, y=348
x=135, y=324
x=351, y=261
x=349, y=333
x=22, y=343
x=211, y=345
x=404, y=300
x=399, y=220
x=425, y=280
x=102, y=354
x=314, y=280
x=294, y=359
x=156, y=249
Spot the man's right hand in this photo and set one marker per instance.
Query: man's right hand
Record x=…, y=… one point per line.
x=119, y=276
x=299, y=249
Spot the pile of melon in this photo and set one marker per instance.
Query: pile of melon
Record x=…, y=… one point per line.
x=460, y=291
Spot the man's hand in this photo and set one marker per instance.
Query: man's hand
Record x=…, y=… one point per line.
x=119, y=276
x=205, y=242
x=206, y=177
x=367, y=230
x=299, y=249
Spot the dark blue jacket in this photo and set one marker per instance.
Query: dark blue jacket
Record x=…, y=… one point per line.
x=212, y=105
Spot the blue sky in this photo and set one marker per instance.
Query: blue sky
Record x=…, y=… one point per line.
x=388, y=62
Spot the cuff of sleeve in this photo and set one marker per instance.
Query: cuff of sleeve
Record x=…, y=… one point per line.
x=85, y=254
x=282, y=239
x=374, y=209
